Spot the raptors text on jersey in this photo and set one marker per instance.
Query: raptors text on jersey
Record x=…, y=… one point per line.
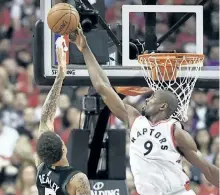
x=155, y=162
x=154, y=134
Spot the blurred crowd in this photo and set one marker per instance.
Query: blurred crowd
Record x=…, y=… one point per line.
x=21, y=99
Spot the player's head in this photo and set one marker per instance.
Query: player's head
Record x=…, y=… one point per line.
x=51, y=148
x=161, y=101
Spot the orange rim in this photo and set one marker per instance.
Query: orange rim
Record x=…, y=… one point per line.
x=167, y=63
x=190, y=58
x=133, y=90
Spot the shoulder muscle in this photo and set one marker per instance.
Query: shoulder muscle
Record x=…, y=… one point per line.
x=184, y=139
x=79, y=185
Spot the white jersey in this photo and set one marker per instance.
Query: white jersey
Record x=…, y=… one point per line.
x=155, y=163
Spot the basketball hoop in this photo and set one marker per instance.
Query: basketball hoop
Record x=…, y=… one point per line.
x=173, y=72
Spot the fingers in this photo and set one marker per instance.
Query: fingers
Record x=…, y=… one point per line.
x=81, y=32
x=73, y=36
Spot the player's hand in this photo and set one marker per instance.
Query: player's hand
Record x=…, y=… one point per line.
x=61, y=59
x=79, y=39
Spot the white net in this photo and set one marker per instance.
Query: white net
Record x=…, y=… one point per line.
x=177, y=74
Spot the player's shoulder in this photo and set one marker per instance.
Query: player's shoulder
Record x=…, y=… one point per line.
x=133, y=114
x=79, y=183
x=137, y=120
x=182, y=137
x=177, y=122
x=79, y=177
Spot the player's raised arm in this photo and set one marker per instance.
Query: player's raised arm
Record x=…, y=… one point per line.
x=102, y=84
x=50, y=104
x=188, y=147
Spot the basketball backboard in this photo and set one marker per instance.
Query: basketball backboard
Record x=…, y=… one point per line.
x=129, y=72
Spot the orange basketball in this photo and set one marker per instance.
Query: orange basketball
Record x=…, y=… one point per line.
x=63, y=18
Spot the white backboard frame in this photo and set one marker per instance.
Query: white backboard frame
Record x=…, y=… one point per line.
x=130, y=68
x=127, y=9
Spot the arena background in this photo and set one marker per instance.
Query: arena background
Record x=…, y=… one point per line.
x=21, y=99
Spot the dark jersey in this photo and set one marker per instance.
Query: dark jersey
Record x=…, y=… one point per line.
x=53, y=181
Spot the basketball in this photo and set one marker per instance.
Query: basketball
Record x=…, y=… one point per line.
x=63, y=18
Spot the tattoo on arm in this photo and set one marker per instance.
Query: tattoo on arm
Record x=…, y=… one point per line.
x=82, y=184
x=50, y=104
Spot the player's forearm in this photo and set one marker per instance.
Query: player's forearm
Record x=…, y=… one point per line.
x=213, y=175
x=50, y=104
x=97, y=75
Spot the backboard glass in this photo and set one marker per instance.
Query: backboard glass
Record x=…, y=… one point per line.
x=129, y=73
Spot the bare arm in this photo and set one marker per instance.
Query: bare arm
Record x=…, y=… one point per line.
x=79, y=185
x=102, y=84
x=188, y=147
x=50, y=104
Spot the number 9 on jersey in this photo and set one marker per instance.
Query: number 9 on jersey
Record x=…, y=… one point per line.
x=148, y=145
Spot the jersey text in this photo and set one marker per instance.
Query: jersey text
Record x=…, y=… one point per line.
x=152, y=133
x=46, y=180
